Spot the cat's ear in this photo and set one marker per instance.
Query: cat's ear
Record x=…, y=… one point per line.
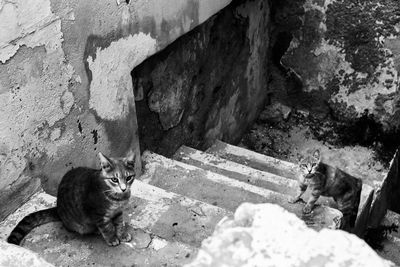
x=130, y=159
x=317, y=154
x=105, y=162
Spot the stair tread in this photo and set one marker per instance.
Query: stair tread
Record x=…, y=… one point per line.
x=266, y=164
x=174, y=222
x=236, y=170
x=223, y=191
x=38, y=201
x=253, y=159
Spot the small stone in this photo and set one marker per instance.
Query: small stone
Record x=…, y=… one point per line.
x=140, y=239
x=158, y=243
x=285, y=111
x=275, y=113
x=304, y=113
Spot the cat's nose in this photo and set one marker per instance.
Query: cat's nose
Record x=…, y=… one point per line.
x=123, y=187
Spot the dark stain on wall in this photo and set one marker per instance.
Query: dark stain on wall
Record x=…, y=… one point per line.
x=95, y=136
x=185, y=86
x=354, y=27
x=121, y=130
x=80, y=127
x=148, y=26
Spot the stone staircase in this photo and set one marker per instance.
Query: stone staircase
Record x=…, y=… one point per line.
x=175, y=205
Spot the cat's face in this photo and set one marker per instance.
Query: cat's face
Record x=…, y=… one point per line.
x=118, y=175
x=309, y=163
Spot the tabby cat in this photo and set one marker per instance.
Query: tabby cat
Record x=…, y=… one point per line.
x=329, y=181
x=89, y=200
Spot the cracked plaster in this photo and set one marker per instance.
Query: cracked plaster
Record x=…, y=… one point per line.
x=34, y=80
x=47, y=96
x=111, y=90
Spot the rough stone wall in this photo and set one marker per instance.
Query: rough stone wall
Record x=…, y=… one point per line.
x=210, y=84
x=268, y=235
x=65, y=86
x=347, y=55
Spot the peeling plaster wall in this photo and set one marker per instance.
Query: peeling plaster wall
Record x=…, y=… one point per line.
x=65, y=88
x=346, y=53
x=110, y=73
x=209, y=84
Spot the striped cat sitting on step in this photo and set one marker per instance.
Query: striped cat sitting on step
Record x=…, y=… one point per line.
x=326, y=180
x=89, y=200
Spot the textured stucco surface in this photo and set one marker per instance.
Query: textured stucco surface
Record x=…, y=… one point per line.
x=252, y=238
x=111, y=91
x=65, y=88
x=346, y=53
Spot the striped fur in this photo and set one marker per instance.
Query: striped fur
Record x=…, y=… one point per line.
x=31, y=221
x=88, y=201
x=329, y=181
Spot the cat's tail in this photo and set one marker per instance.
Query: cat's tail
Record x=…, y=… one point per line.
x=31, y=221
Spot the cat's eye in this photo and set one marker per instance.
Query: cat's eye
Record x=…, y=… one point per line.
x=130, y=177
x=114, y=180
x=314, y=164
x=303, y=165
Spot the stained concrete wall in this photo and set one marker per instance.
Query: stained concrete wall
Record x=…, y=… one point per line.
x=65, y=88
x=210, y=84
x=347, y=55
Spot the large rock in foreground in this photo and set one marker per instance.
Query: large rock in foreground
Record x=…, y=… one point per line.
x=11, y=255
x=267, y=235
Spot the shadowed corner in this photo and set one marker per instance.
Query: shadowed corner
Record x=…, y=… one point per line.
x=363, y=217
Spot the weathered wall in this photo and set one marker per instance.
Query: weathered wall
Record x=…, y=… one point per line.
x=210, y=84
x=347, y=55
x=65, y=88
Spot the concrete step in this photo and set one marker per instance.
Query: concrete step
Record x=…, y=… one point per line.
x=257, y=163
x=254, y=160
x=225, y=192
x=245, y=174
x=236, y=170
x=167, y=229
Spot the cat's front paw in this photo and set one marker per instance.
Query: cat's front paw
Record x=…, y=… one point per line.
x=307, y=209
x=125, y=237
x=113, y=241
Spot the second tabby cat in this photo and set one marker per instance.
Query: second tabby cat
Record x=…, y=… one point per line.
x=89, y=200
x=326, y=180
